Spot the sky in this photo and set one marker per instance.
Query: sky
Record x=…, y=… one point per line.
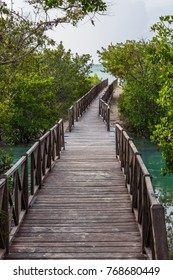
x=124, y=20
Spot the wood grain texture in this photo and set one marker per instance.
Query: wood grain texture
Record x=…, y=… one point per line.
x=83, y=210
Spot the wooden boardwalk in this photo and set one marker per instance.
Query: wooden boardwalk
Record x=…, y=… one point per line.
x=83, y=210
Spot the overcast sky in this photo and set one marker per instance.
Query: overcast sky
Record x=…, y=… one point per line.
x=125, y=20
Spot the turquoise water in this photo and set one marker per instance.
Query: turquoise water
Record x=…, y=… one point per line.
x=99, y=70
x=20, y=150
x=154, y=162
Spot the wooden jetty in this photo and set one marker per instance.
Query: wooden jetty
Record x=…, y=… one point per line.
x=83, y=209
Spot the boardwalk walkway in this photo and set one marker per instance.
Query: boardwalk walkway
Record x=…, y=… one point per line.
x=83, y=210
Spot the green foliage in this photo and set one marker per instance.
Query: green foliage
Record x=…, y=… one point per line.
x=6, y=159
x=163, y=55
x=33, y=108
x=147, y=100
x=171, y=255
x=70, y=73
x=37, y=94
x=82, y=6
x=70, y=11
x=137, y=104
x=34, y=95
x=94, y=80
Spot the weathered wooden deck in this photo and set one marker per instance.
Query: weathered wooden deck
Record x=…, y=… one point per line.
x=83, y=210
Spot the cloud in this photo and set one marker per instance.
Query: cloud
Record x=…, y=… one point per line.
x=125, y=20
x=157, y=3
x=131, y=20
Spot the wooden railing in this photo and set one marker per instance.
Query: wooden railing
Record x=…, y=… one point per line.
x=19, y=184
x=104, y=109
x=82, y=104
x=149, y=213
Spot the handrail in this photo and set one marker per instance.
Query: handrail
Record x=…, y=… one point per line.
x=20, y=183
x=149, y=213
x=104, y=109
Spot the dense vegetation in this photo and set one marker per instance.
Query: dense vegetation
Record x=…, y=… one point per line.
x=146, y=68
x=38, y=79
x=39, y=93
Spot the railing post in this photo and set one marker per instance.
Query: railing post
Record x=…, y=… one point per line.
x=99, y=106
x=62, y=135
x=72, y=116
x=159, y=233
x=127, y=162
x=133, y=187
x=49, y=151
x=58, y=141
x=25, y=184
x=121, y=149
x=116, y=141
x=39, y=164
x=76, y=108
x=108, y=118
x=5, y=213
x=69, y=119
x=32, y=175
x=6, y=228
x=144, y=214
x=16, y=196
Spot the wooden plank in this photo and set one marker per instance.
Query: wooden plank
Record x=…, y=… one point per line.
x=95, y=228
x=74, y=249
x=77, y=237
x=56, y=244
x=76, y=256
